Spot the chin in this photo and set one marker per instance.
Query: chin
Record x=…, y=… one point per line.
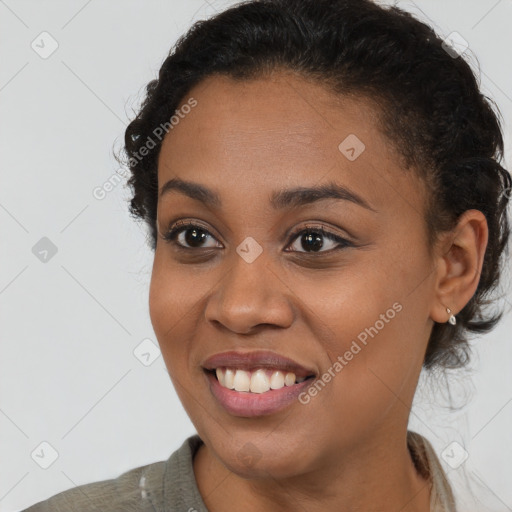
x=262, y=457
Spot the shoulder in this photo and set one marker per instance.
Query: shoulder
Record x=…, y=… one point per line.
x=429, y=466
x=133, y=490
x=152, y=487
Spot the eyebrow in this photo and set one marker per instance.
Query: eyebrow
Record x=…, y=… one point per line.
x=279, y=200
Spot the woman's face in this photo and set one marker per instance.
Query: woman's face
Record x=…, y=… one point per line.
x=255, y=277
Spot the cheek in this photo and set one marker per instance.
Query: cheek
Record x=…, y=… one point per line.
x=161, y=304
x=371, y=320
x=173, y=298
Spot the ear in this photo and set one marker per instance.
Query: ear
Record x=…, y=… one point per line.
x=459, y=260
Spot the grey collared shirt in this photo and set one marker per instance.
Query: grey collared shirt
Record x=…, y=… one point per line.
x=170, y=486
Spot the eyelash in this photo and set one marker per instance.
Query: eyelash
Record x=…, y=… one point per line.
x=175, y=230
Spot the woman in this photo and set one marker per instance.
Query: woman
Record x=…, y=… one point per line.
x=322, y=186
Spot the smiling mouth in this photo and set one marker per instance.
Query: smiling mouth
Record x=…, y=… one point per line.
x=258, y=380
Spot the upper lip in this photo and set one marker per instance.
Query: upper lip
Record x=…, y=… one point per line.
x=254, y=360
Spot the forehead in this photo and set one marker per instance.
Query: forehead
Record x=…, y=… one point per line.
x=275, y=114
x=279, y=130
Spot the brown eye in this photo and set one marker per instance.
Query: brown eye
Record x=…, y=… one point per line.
x=189, y=236
x=312, y=240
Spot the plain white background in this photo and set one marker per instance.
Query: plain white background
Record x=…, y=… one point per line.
x=71, y=327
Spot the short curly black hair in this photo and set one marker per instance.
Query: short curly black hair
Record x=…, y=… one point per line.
x=427, y=98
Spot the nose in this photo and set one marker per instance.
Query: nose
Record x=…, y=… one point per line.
x=249, y=296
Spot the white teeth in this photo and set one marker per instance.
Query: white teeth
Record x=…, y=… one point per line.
x=289, y=379
x=257, y=381
x=229, y=377
x=220, y=377
x=242, y=381
x=277, y=380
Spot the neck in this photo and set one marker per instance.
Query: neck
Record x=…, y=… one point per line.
x=380, y=473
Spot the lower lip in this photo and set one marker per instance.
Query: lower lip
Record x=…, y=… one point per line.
x=240, y=403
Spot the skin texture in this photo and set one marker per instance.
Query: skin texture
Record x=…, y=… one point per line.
x=346, y=449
